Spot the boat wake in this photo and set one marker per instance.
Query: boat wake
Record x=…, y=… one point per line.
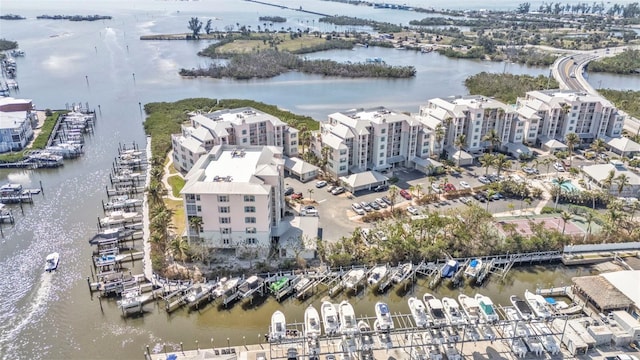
x=12, y=328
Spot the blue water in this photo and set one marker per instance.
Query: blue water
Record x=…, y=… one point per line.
x=568, y=186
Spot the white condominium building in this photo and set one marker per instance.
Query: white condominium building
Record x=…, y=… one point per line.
x=242, y=127
x=552, y=114
x=237, y=192
x=473, y=116
x=371, y=139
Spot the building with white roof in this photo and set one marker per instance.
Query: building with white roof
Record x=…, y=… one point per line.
x=598, y=173
x=472, y=116
x=371, y=139
x=16, y=123
x=238, y=193
x=552, y=114
x=626, y=282
x=242, y=127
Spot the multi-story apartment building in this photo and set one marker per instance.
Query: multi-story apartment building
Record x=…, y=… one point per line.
x=371, y=139
x=237, y=192
x=552, y=114
x=16, y=123
x=472, y=116
x=241, y=127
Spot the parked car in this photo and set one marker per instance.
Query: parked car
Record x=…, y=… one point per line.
x=321, y=183
x=529, y=170
x=381, y=202
x=330, y=188
x=497, y=196
x=436, y=188
x=309, y=211
x=365, y=205
x=374, y=205
x=288, y=191
x=381, y=236
x=465, y=200
x=483, y=179
x=413, y=211
x=405, y=194
x=358, y=209
x=558, y=167
x=603, y=156
x=381, y=188
x=386, y=199
x=449, y=187
x=465, y=185
x=337, y=191
x=479, y=197
x=297, y=196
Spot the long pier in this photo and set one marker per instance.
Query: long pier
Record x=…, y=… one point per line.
x=288, y=8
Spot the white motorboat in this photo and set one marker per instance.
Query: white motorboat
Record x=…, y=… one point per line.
x=226, y=287
x=329, y=318
x=453, y=312
x=470, y=308
x=108, y=259
x=538, y=304
x=377, y=274
x=487, y=331
x=487, y=309
x=473, y=268
x=311, y=322
x=523, y=309
x=450, y=351
x=51, y=262
x=383, y=316
x=517, y=345
x=403, y=273
x=278, y=326
x=348, y=323
x=132, y=301
x=353, y=278
x=384, y=337
x=418, y=311
x=546, y=337
x=523, y=331
x=118, y=217
x=436, y=309
x=434, y=352
x=197, y=293
x=366, y=341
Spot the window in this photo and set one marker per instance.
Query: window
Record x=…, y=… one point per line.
x=383, y=139
x=244, y=132
x=225, y=230
x=294, y=143
x=226, y=241
x=197, y=197
x=381, y=162
x=250, y=198
x=244, y=141
x=382, y=147
x=250, y=220
x=381, y=154
x=479, y=115
x=223, y=198
x=251, y=241
x=343, y=168
x=250, y=230
x=293, y=135
x=224, y=209
x=225, y=220
x=249, y=209
x=199, y=208
x=382, y=131
x=475, y=137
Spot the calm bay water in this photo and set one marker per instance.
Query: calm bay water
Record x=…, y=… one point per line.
x=103, y=63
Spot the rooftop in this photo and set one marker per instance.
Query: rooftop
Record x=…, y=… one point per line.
x=626, y=282
x=599, y=172
x=12, y=119
x=604, y=294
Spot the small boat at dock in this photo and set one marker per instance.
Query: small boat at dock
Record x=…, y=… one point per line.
x=403, y=273
x=366, y=342
x=132, y=301
x=278, y=326
x=418, y=311
x=436, y=309
x=197, y=293
x=451, y=352
x=353, y=278
x=470, y=307
x=473, y=268
x=329, y=318
x=383, y=316
x=348, y=323
x=384, y=337
x=377, y=274
x=453, y=312
x=538, y=304
x=226, y=287
x=311, y=322
x=51, y=262
x=449, y=269
x=487, y=308
x=521, y=306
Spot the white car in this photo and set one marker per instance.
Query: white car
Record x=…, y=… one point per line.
x=321, y=183
x=309, y=211
x=465, y=185
x=484, y=180
x=436, y=188
x=558, y=167
x=413, y=211
x=381, y=203
x=357, y=209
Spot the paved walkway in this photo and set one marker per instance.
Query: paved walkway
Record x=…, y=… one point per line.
x=165, y=178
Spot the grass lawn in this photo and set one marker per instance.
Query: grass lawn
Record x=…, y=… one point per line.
x=172, y=170
x=178, y=219
x=177, y=183
x=286, y=44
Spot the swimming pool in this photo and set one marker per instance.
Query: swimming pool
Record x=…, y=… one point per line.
x=567, y=186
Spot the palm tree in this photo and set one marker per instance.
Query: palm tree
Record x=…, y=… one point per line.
x=486, y=160
x=623, y=181
x=559, y=182
x=490, y=193
x=501, y=162
x=571, y=139
x=179, y=248
x=492, y=137
x=325, y=151
x=393, y=195
x=608, y=181
x=547, y=162
x=439, y=133
x=432, y=180
x=598, y=146
x=589, y=217
x=155, y=192
x=460, y=140
x=418, y=189
x=196, y=224
x=565, y=216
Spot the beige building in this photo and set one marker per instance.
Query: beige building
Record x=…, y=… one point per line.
x=237, y=192
x=240, y=127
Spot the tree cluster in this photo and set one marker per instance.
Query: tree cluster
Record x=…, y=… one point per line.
x=627, y=62
x=507, y=87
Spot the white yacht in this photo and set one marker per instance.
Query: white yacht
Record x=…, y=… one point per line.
x=538, y=304
x=51, y=262
x=470, y=307
x=517, y=345
x=523, y=309
x=377, y=274
x=353, y=278
x=403, y=273
x=546, y=337
x=329, y=318
x=453, y=312
x=197, y=293
x=436, y=309
x=523, y=331
x=278, y=326
x=383, y=316
x=418, y=311
x=348, y=323
x=132, y=301
x=226, y=287
x=487, y=309
x=311, y=322
x=473, y=268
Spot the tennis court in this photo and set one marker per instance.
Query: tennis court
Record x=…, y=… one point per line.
x=522, y=225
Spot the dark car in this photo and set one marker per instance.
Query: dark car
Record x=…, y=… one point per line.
x=386, y=199
x=374, y=205
x=381, y=188
x=479, y=197
x=288, y=191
